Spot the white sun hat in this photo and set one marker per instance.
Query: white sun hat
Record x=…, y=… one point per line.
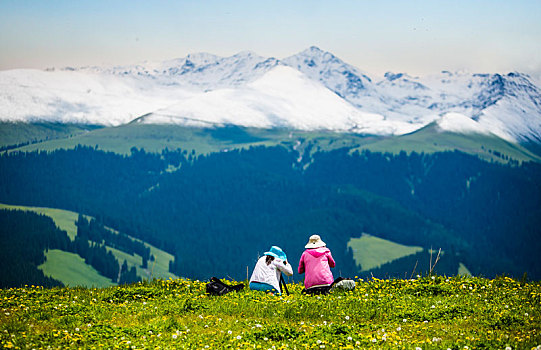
x=315, y=242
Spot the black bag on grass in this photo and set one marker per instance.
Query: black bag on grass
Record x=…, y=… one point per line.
x=217, y=287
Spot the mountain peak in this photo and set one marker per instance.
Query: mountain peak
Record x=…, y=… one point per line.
x=507, y=105
x=317, y=53
x=343, y=79
x=201, y=57
x=393, y=76
x=246, y=53
x=314, y=49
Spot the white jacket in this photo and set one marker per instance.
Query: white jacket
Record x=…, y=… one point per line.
x=270, y=273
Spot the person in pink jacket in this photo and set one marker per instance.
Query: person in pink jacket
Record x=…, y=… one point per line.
x=316, y=263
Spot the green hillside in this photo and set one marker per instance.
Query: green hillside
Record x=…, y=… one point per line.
x=371, y=252
x=154, y=138
x=430, y=140
x=157, y=269
x=15, y=133
x=64, y=219
x=71, y=270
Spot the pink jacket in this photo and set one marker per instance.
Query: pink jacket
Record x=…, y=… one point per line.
x=317, y=264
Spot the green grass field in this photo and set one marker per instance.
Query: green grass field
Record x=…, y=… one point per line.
x=463, y=270
x=158, y=269
x=64, y=219
x=371, y=252
x=71, y=269
x=431, y=312
x=154, y=138
x=14, y=133
x=430, y=140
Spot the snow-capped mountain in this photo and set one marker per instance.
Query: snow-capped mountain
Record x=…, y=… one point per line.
x=310, y=90
x=345, y=80
x=200, y=71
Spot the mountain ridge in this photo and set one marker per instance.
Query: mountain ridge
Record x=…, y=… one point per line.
x=506, y=105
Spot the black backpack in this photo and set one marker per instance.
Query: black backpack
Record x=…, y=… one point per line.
x=217, y=287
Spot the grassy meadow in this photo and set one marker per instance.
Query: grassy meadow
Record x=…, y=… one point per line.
x=371, y=251
x=71, y=269
x=430, y=140
x=425, y=313
x=64, y=219
x=155, y=138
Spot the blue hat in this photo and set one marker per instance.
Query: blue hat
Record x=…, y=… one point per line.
x=277, y=252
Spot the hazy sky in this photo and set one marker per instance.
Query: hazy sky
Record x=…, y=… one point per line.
x=417, y=37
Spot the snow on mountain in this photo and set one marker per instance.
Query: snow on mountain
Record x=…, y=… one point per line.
x=340, y=77
x=310, y=90
x=282, y=97
x=73, y=97
x=202, y=71
x=459, y=123
x=515, y=111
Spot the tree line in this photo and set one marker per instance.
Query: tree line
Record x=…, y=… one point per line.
x=218, y=212
x=25, y=237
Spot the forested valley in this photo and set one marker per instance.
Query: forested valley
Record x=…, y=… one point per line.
x=216, y=213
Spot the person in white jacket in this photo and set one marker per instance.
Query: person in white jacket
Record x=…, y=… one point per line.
x=266, y=275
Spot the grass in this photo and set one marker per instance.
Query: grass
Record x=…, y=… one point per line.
x=428, y=313
x=155, y=138
x=430, y=140
x=371, y=252
x=64, y=219
x=159, y=269
x=71, y=269
x=14, y=133
x=463, y=270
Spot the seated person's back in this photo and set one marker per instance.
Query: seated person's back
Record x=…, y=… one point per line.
x=316, y=263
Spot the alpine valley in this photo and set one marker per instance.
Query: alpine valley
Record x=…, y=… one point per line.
x=194, y=167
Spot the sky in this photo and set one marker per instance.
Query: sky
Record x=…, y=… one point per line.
x=417, y=37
